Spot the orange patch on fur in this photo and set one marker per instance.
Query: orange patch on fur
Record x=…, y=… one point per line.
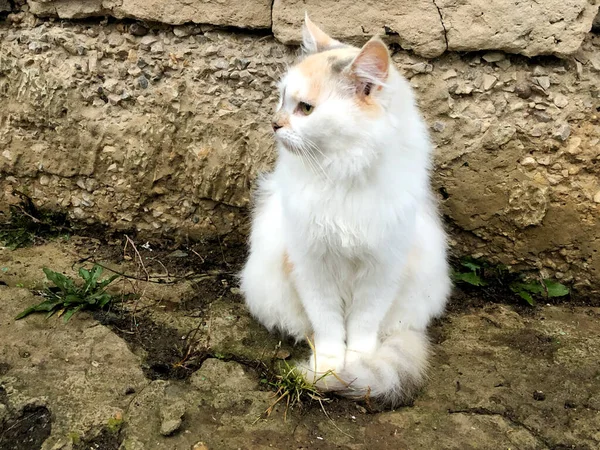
x=287, y=264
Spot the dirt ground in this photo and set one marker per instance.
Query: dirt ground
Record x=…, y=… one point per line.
x=182, y=366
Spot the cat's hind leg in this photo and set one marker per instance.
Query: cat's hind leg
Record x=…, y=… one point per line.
x=265, y=279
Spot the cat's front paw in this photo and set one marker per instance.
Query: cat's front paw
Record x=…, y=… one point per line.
x=322, y=369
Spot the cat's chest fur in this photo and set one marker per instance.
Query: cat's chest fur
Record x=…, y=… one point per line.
x=349, y=222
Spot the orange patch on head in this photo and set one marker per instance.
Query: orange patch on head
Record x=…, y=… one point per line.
x=288, y=267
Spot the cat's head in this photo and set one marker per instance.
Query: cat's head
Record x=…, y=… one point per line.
x=334, y=98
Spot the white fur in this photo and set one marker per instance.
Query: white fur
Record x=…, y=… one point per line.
x=349, y=202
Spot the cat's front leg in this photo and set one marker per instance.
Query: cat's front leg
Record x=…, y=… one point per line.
x=323, y=305
x=371, y=300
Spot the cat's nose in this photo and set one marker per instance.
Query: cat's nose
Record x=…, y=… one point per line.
x=276, y=126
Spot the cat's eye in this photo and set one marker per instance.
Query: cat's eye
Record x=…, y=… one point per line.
x=305, y=108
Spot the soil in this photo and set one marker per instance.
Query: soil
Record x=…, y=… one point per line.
x=504, y=374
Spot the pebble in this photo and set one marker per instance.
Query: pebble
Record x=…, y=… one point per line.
x=561, y=100
x=137, y=29
x=488, y=82
x=504, y=64
x=449, y=74
x=157, y=47
x=523, y=90
x=438, y=126
x=528, y=161
x=493, y=57
x=563, y=132
x=110, y=85
x=147, y=41
x=171, y=417
x=421, y=67
x=142, y=82
x=543, y=82
x=200, y=446
x=182, y=31
x=539, y=396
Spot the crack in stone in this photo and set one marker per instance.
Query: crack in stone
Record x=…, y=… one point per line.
x=507, y=416
x=442, y=22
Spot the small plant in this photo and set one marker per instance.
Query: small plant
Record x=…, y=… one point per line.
x=481, y=274
x=470, y=272
x=66, y=298
x=546, y=288
x=293, y=388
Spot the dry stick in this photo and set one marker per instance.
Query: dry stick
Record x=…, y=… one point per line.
x=140, y=264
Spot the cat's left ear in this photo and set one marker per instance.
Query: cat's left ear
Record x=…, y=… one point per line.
x=372, y=65
x=315, y=40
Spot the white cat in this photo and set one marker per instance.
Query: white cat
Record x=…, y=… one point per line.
x=346, y=245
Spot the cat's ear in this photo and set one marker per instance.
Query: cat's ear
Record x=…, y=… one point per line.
x=371, y=66
x=314, y=39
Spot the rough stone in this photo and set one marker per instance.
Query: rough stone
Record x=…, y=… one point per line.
x=254, y=14
x=428, y=28
x=171, y=417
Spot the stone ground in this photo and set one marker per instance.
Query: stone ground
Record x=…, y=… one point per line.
x=185, y=360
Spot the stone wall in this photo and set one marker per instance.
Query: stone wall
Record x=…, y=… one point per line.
x=162, y=123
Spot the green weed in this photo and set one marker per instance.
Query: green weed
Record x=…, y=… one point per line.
x=66, y=298
x=481, y=274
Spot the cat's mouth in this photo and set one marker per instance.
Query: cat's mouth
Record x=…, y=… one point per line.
x=289, y=141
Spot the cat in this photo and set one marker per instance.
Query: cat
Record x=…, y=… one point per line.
x=346, y=246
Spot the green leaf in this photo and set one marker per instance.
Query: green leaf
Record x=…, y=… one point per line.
x=25, y=313
x=67, y=316
x=470, y=278
x=96, y=272
x=471, y=265
x=72, y=298
x=556, y=289
x=527, y=297
x=106, y=282
x=533, y=287
x=64, y=283
x=84, y=273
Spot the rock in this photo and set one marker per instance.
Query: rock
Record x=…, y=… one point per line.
x=171, y=417
x=147, y=41
x=563, y=132
x=182, y=31
x=523, y=90
x=498, y=135
x=142, y=82
x=543, y=82
x=560, y=100
x=110, y=85
x=421, y=67
x=449, y=74
x=254, y=14
x=539, y=396
x=5, y=6
x=200, y=446
x=438, y=126
x=597, y=197
x=137, y=29
x=488, y=82
x=157, y=47
x=493, y=57
x=526, y=28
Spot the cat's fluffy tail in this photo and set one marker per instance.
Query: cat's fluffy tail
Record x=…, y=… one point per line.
x=391, y=376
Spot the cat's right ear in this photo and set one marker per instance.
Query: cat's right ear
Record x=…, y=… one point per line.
x=315, y=40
